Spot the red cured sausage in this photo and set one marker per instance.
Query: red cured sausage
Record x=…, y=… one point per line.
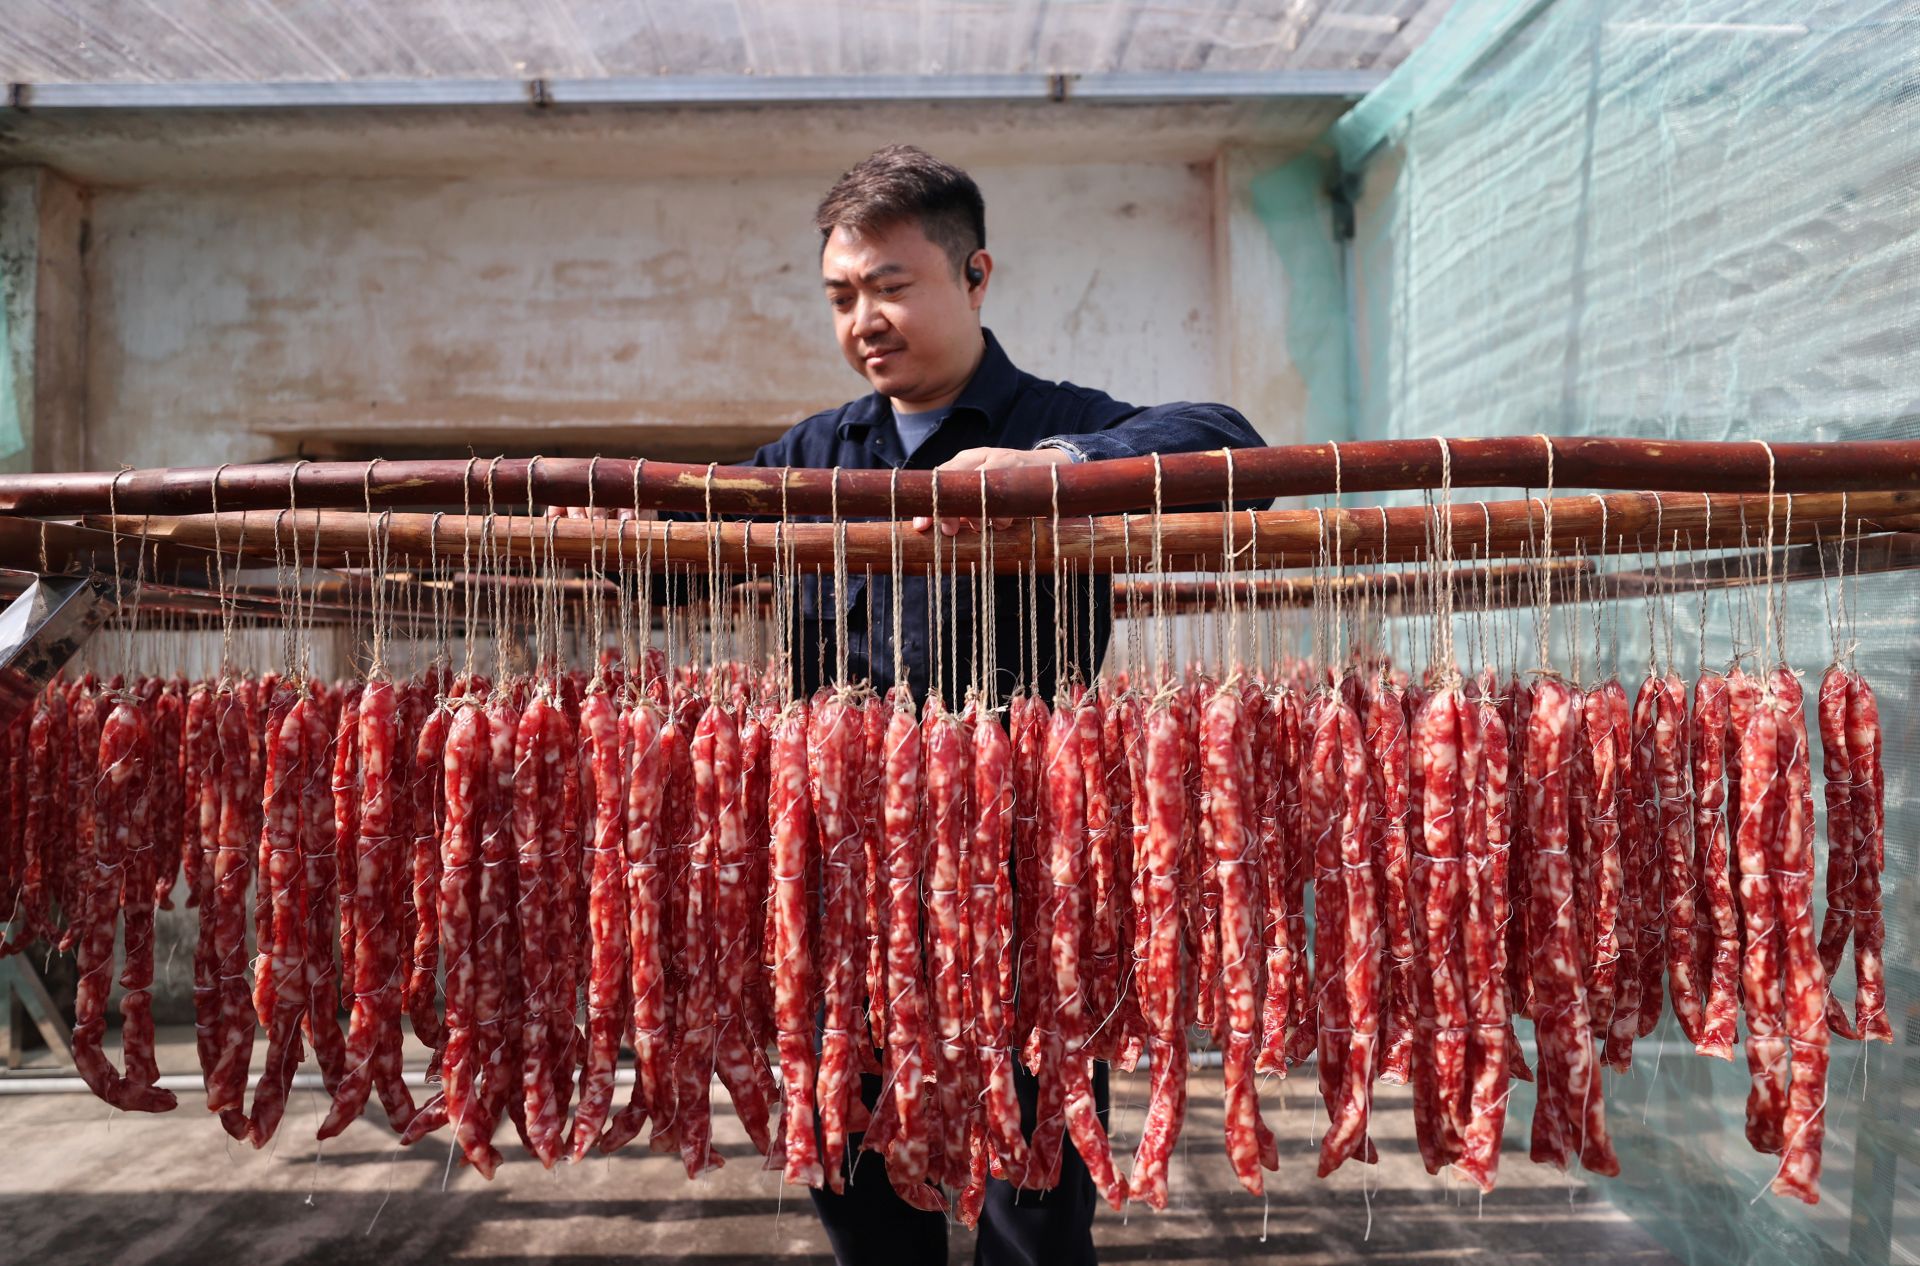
x=1324, y=810
x=873, y=874
x=346, y=831
x=945, y=822
x=1713, y=863
x=1520, y=854
x=1390, y=750
x=1869, y=812
x=1160, y=999
x=1676, y=813
x=1032, y=893
x=110, y=864
x=1843, y=862
x=1488, y=1060
x=1278, y=833
x=1763, y=792
x=1302, y=831
x=908, y=1153
x=168, y=710
x=1104, y=903
x=991, y=902
x=1806, y=984
x=427, y=782
x=1360, y=963
x=607, y=920
x=1447, y=750
x=289, y=764
x=695, y=1059
x=539, y=771
x=232, y=864
x=376, y=961
x=320, y=900
x=1066, y=793
x=467, y=772
x=47, y=748
x=1224, y=777
x=649, y=744
x=498, y=987
x=793, y=964
x=1570, y=1112
x=146, y=850
x=1605, y=718
x=1126, y=1027
x=742, y=1066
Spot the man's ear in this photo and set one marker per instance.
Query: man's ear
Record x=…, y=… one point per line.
x=978, y=271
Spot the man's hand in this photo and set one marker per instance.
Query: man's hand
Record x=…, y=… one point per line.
x=975, y=459
x=605, y=512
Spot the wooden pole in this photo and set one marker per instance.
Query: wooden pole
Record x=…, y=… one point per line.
x=1633, y=523
x=1187, y=480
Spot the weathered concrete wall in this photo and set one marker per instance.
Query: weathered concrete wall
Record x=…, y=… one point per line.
x=43, y=317
x=225, y=316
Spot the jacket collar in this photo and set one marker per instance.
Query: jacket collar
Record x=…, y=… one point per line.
x=989, y=393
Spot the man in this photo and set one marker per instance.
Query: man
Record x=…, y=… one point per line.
x=905, y=269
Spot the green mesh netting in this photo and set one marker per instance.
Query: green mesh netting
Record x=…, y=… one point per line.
x=1690, y=219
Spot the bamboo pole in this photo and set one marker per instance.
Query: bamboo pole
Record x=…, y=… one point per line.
x=1186, y=479
x=332, y=602
x=1633, y=523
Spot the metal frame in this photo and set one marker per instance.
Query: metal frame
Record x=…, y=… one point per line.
x=674, y=91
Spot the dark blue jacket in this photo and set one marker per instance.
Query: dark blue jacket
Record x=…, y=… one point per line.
x=1001, y=407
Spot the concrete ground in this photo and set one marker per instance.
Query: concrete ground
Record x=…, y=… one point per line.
x=80, y=1184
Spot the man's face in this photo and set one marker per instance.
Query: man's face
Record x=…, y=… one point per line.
x=905, y=321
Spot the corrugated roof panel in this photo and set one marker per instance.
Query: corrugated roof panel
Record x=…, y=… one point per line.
x=186, y=41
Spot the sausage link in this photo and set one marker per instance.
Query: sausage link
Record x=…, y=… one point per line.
x=793, y=964
x=1570, y=1109
x=1804, y=1125
x=1763, y=793
x=1713, y=862
x=1870, y=830
x=1488, y=1060
x=608, y=978
x=1066, y=794
x=1360, y=965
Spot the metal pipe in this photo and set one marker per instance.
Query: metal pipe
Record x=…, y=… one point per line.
x=708, y=91
x=1108, y=487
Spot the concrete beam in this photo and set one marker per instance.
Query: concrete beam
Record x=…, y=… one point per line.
x=1252, y=365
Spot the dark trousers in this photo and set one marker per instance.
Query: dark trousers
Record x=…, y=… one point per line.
x=870, y=1224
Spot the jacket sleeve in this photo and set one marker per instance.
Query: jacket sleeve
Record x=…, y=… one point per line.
x=1167, y=428
x=1183, y=427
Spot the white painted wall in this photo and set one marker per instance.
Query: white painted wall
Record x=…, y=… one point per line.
x=464, y=310
x=502, y=303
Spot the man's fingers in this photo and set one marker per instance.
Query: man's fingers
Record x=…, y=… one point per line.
x=969, y=459
x=921, y=523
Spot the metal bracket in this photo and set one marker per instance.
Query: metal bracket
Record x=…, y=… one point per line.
x=42, y=629
x=21, y=992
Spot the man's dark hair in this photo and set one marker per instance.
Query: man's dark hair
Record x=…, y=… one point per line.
x=901, y=184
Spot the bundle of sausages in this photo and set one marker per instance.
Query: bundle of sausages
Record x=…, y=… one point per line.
x=542, y=875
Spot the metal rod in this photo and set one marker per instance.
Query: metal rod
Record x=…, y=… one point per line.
x=1186, y=479
x=681, y=91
